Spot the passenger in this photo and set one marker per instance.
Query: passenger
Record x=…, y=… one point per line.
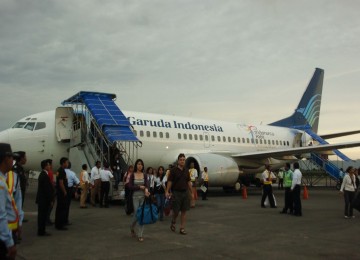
x=84, y=185
x=13, y=182
x=288, y=176
x=151, y=178
x=281, y=179
x=95, y=183
x=267, y=178
x=105, y=175
x=159, y=192
x=193, y=176
x=117, y=169
x=205, y=180
x=296, y=189
x=18, y=168
x=348, y=188
x=61, y=195
x=44, y=197
x=179, y=183
x=9, y=215
x=139, y=185
x=73, y=183
x=129, y=206
x=49, y=222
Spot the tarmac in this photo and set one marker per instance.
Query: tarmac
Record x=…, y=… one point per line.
x=224, y=227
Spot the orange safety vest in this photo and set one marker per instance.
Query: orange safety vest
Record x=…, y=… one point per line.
x=13, y=225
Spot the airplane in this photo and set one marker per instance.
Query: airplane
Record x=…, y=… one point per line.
x=229, y=150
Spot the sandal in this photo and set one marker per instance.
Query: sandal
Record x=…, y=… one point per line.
x=182, y=231
x=172, y=226
x=141, y=239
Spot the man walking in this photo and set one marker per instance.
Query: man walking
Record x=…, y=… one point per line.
x=179, y=183
x=96, y=183
x=267, y=177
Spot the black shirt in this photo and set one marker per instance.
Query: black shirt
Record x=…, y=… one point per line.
x=179, y=179
x=61, y=175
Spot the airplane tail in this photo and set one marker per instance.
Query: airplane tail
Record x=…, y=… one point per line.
x=307, y=113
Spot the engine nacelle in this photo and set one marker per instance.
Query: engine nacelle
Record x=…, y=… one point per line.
x=222, y=170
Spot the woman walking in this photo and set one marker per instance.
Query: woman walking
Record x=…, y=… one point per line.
x=159, y=192
x=348, y=187
x=140, y=189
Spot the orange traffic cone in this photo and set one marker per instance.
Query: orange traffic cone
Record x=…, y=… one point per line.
x=244, y=192
x=306, y=194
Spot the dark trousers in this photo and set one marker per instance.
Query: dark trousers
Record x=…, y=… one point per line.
x=297, y=200
x=104, y=193
x=204, y=194
x=348, y=197
x=288, y=200
x=60, y=213
x=3, y=250
x=43, y=210
x=281, y=184
x=69, y=193
x=267, y=191
x=160, y=202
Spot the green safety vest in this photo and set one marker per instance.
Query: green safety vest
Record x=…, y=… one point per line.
x=288, y=175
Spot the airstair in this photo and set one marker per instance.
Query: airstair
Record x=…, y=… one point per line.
x=100, y=130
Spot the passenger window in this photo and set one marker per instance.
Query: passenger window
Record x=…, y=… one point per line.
x=252, y=140
x=219, y=138
x=195, y=136
x=154, y=134
x=30, y=126
x=238, y=140
x=224, y=139
x=260, y=141
x=185, y=136
x=148, y=134
x=234, y=139
x=248, y=140
x=190, y=136
x=206, y=138
x=277, y=142
x=229, y=139
x=141, y=133
x=257, y=141
x=161, y=135
x=201, y=137
x=179, y=136
x=167, y=135
x=19, y=125
x=273, y=142
x=243, y=140
x=212, y=138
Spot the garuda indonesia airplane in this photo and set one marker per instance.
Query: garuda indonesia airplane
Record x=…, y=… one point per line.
x=228, y=149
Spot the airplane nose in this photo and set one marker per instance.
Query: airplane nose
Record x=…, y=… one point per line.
x=4, y=136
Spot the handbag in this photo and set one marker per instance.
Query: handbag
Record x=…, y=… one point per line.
x=147, y=213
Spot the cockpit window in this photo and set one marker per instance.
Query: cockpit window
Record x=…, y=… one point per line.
x=30, y=126
x=40, y=125
x=19, y=125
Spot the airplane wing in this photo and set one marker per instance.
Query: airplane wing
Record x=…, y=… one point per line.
x=295, y=150
x=335, y=135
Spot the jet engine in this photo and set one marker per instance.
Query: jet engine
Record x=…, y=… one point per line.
x=222, y=170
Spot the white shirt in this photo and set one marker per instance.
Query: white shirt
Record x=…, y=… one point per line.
x=297, y=175
x=265, y=176
x=347, y=184
x=193, y=174
x=95, y=174
x=106, y=175
x=84, y=176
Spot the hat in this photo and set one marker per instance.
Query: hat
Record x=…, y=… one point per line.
x=5, y=150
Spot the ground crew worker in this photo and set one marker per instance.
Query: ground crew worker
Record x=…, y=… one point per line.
x=13, y=183
x=205, y=178
x=267, y=177
x=8, y=213
x=95, y=180
x=288, y=176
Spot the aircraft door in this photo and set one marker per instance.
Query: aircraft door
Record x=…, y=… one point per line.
x=63, y=123
x=206, y=140
x=298, y=140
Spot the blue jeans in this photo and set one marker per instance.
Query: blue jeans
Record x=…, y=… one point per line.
x=160, y=201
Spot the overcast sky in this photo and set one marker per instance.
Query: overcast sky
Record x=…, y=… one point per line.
x=244, y=61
